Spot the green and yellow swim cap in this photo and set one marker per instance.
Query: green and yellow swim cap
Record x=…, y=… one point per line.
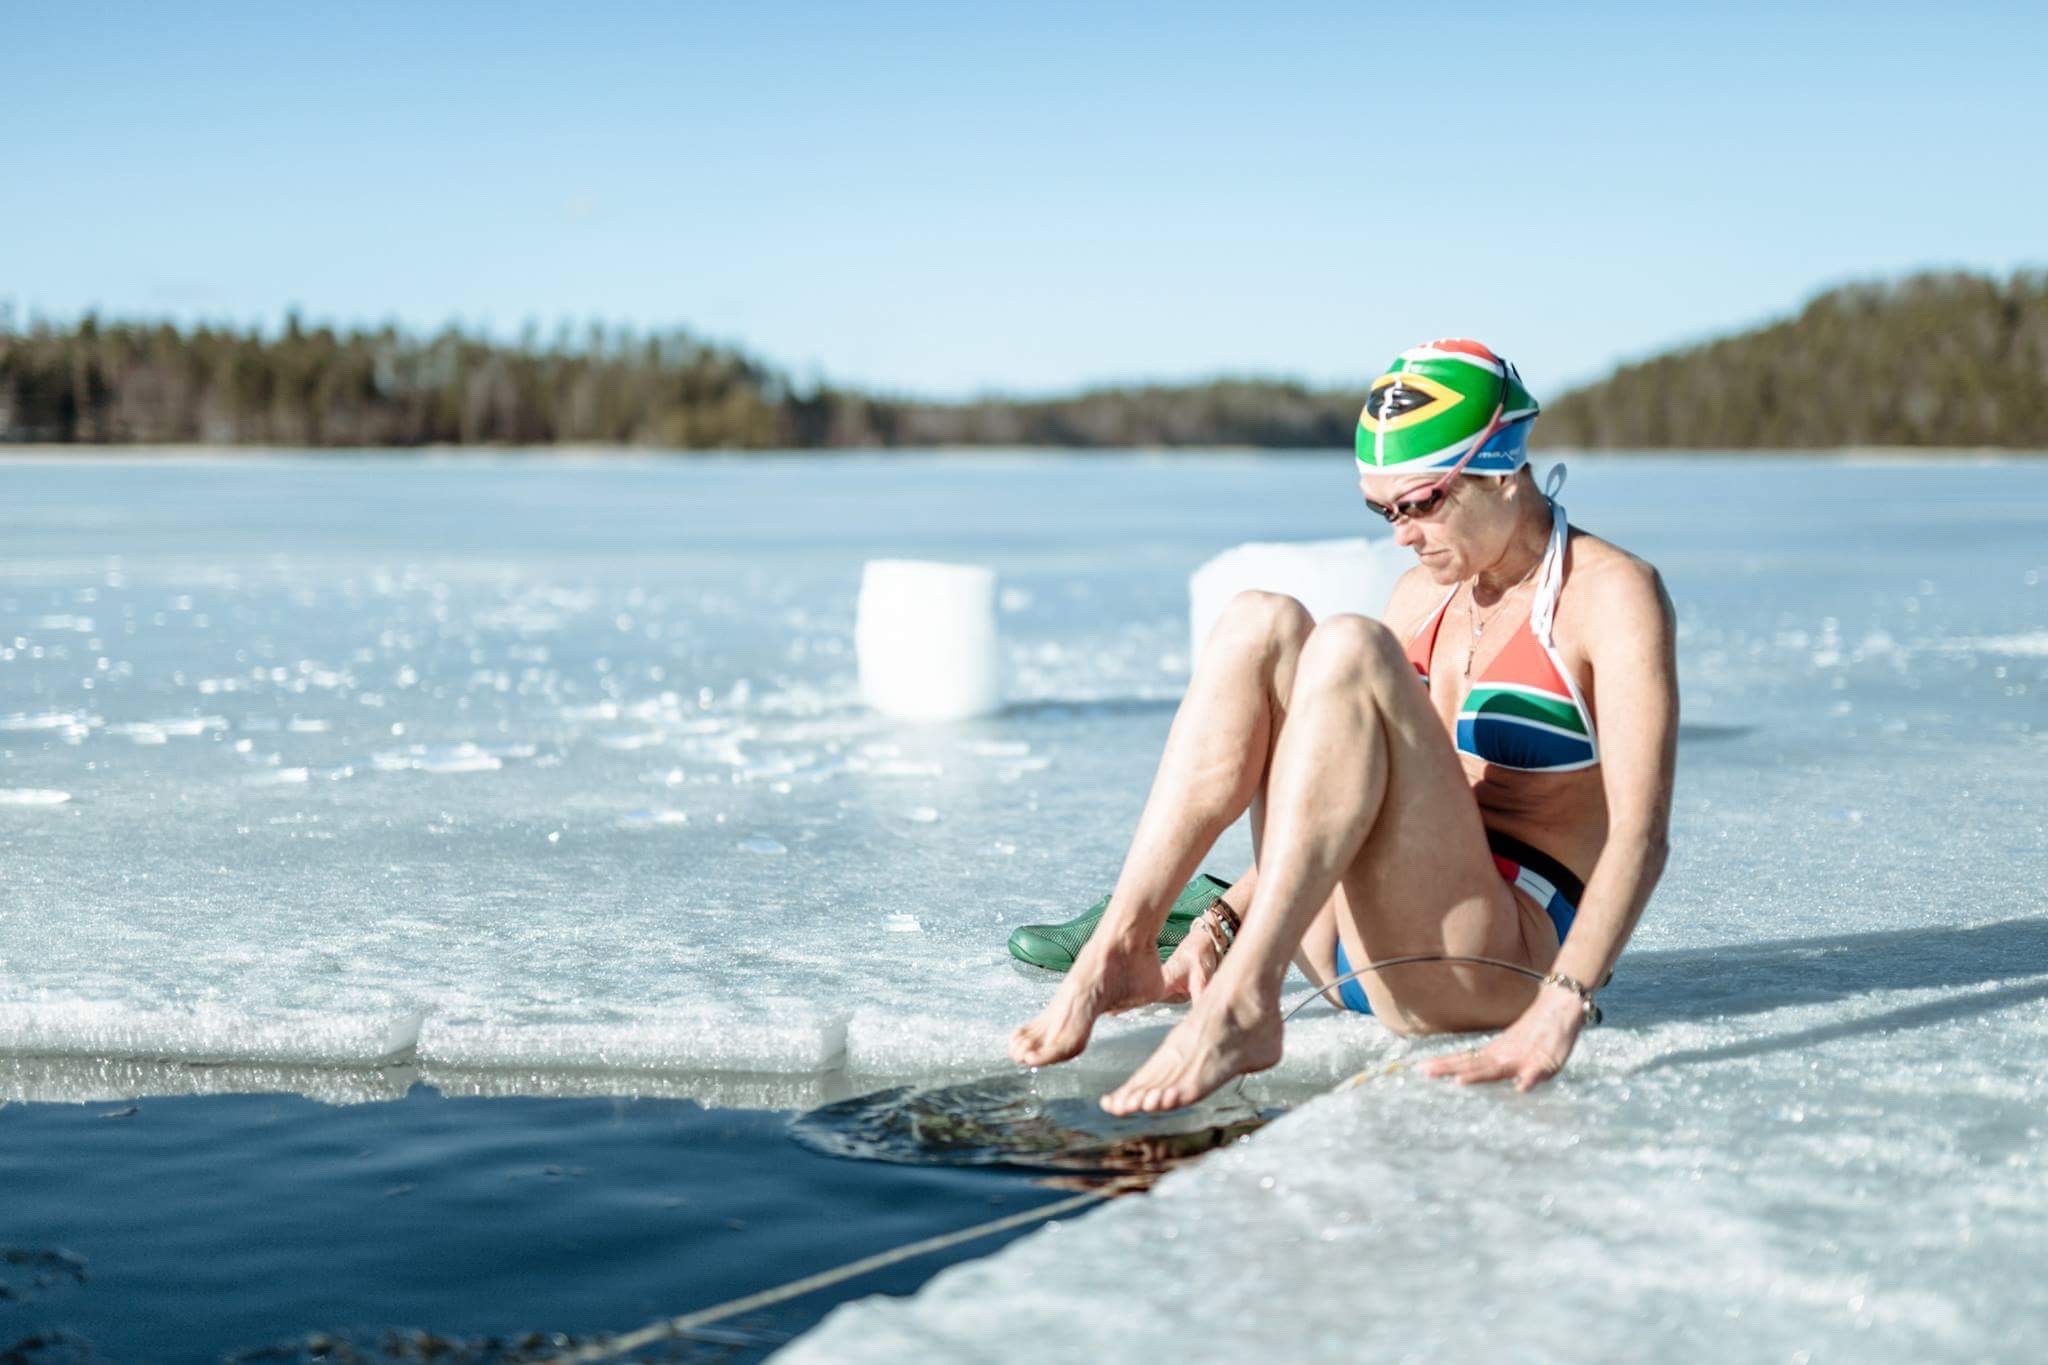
x=1442, y=402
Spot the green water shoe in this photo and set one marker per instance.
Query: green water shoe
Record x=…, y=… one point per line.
x=1053, y=946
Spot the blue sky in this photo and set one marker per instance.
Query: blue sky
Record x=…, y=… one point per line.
x=952, y=198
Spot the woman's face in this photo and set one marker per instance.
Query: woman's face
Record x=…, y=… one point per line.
x=1462, y=535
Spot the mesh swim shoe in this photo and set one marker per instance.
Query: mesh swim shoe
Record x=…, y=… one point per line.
x=1053, y=946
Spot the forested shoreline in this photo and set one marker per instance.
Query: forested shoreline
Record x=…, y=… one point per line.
x=1939, y=360
x=1943, y=360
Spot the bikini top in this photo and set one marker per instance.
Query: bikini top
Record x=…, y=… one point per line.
x=1524, y=712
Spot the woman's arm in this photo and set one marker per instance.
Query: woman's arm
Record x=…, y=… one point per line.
x=1633, y=649
x=1635, y=669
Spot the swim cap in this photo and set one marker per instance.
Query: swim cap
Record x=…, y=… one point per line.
x=1436, y=401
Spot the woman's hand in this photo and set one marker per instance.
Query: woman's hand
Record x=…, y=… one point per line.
x=1532, y=1050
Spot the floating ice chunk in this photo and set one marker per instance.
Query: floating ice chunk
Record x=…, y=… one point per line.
x=922, y=815
x=2031, y=645
x=450, y=758
x=926, y=639
x=626, y=743
x=188, y=726
x=307, y=725
x=32, y=796
x=463, y=758
x=140, y=732
x=41, y=720
x=667, y=817
x=900, y=923
x=1326, y=576
x=760, y=843
x=459, y=762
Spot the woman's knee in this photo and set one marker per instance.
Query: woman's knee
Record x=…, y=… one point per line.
x=1350, y=650
x=1264, y=617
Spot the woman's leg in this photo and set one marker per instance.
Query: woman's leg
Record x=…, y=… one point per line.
x=1367, y=819
x=1215, y=761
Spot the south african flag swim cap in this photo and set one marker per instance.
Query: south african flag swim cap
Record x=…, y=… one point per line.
x=1435, y=401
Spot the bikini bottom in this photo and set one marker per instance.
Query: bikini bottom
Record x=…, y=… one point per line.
x=1554, y=886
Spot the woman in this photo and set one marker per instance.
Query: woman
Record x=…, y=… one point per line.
x=1434, y=784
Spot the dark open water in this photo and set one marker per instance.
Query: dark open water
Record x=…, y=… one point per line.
x=202, y=1228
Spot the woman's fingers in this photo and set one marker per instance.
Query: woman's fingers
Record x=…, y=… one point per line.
x=1489, y=1065
x=1492, y=1063
x=1478, y=1064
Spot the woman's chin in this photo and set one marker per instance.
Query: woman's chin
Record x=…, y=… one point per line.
x=1442, y=568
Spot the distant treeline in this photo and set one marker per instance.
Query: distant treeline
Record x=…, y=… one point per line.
x=121, y=382
x=1932, y=360
x=1943, y=360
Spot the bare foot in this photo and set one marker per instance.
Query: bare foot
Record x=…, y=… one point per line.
x=1188, y=971
x=1099, y=983
x=1219, y=1039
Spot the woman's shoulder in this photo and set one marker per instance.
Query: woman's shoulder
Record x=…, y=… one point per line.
x=1610, y=584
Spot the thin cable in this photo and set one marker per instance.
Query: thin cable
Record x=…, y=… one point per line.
x=670, y=1328
x=1592, y=1012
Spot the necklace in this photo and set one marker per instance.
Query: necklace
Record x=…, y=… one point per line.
x=1478, y=626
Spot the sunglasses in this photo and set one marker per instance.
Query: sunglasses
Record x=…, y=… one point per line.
x=1422, y=505
x=1426, y=502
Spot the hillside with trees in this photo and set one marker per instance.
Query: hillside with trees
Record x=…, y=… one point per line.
x=1933, y=360
x=1930, y=360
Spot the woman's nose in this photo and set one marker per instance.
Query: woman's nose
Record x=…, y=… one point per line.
x=1407, y=534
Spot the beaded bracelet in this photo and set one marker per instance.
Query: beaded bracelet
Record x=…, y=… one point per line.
x=1221, y=923
x=1592, y=1011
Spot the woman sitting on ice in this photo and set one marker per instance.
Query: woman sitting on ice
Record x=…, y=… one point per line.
x=1430, y=784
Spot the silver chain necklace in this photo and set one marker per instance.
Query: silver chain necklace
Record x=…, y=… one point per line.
x=1478, y=627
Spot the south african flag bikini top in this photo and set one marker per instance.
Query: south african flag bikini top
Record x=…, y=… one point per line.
x=1524, y=711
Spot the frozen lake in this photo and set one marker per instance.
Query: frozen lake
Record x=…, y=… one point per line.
x=541, y=776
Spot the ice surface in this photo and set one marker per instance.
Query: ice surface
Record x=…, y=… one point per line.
x=1776, y=1186
x=1326, y=576
x=1812, y=1122
x=926, y=637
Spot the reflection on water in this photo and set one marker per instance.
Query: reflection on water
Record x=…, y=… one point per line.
x=1010, y=1121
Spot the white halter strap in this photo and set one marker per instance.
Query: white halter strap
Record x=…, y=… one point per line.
x=1551, y=580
